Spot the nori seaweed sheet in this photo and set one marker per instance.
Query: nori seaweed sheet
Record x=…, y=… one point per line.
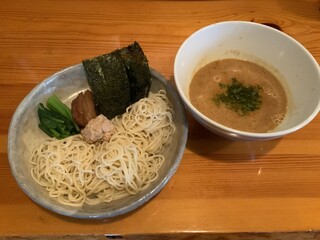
x=118, y=79
x=137, y=70
x=109, y=83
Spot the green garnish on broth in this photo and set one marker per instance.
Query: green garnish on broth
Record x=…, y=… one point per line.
x=239, y=97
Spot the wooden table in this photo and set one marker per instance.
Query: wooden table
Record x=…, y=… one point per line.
x=223, y=189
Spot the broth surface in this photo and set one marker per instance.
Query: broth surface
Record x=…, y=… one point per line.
x=205, y=85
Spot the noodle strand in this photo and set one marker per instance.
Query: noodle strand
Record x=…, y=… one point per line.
x=76, y=173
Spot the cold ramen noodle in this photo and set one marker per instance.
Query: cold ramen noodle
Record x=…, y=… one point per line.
x=76, y=172
x=239, y=94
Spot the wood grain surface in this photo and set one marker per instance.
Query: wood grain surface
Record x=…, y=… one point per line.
x=221, y=186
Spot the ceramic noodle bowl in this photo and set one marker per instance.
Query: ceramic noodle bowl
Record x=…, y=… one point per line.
x=24, y=135
x=289, y=61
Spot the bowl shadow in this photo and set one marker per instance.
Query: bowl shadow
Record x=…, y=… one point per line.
x=214, y=147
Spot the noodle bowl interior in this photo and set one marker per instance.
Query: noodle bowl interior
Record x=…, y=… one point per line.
x=76, y=173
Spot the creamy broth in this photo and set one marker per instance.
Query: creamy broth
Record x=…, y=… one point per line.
x=205, y=86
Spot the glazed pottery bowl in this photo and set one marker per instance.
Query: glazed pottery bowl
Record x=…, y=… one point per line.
x=24, y=136
x=276, y=51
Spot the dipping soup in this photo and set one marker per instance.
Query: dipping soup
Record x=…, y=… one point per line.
x=244, y=80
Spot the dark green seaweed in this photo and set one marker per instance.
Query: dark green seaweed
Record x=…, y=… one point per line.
x=109, y=83
x=137, y=70
x=118, y=79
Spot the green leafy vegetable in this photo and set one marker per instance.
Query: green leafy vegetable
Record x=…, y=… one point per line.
x=56, y=119
x=55, y=104
x=240, y=98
